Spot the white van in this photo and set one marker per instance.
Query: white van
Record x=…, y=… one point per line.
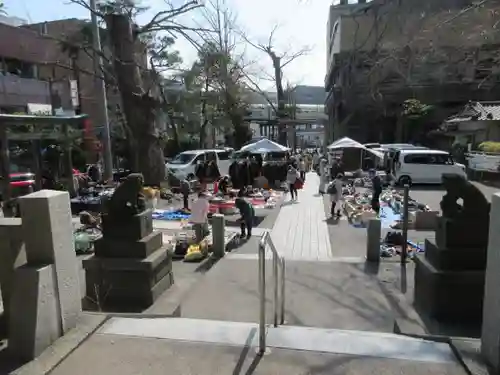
x=424, y=166
x=184, y=164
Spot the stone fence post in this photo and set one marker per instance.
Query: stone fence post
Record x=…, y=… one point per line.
x=46, y=300
x=490, y=335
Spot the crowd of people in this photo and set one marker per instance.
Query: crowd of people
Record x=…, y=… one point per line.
x=245, y=173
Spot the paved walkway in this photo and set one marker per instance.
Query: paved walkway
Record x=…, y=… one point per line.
x=300, y=231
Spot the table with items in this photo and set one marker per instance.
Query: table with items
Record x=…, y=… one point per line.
x=358, y=209
x=91, y=199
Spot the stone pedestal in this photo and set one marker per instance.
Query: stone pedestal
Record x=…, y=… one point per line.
x=449, y=280
x=218, y=236
x=373, y=231
x=130, y=267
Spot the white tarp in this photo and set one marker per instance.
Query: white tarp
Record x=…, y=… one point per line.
x=347, y=142
x=264, y=145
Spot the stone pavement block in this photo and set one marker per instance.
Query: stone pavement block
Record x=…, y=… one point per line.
x=106, y=354
x=301, y=231
x=48, y=234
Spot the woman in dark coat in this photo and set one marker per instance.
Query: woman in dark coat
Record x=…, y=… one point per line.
x=235, y=175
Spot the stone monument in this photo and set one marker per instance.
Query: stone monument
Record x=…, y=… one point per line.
x=130, y=267
x=449, y=280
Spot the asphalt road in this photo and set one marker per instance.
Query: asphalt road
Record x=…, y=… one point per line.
x=432, y=195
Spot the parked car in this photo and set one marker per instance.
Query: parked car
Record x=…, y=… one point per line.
x=184, y=164
x=413, y=166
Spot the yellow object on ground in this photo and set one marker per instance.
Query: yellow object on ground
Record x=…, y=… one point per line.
x=194, y=253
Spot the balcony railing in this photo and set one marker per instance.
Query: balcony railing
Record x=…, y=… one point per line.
x=16, y=91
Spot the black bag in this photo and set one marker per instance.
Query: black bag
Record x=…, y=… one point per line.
x=331, y=189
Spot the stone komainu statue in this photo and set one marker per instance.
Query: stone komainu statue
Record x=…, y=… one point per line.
x=475, y=205
x=128, y=199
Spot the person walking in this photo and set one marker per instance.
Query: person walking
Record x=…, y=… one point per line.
x=323, y=178
x=185, y=190
x=335, y=191
x=302, y=169
x=315, y=161
x=291, y=177
x=376, y=190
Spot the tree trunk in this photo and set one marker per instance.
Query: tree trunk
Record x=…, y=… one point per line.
x=280, y=93
x=138, y=105
x=399, y=129
x=204, y=124
x=175, y=131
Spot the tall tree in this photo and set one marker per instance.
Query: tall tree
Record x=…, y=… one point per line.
x=279, y=61
x=140, y=106
x=163, y=61
x=221, y=65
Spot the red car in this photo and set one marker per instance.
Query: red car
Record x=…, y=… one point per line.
x=22, y=179
x=22, y=182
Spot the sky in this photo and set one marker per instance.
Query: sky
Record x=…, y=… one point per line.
x=302, y=23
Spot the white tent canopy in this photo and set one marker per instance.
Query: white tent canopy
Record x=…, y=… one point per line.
x=345, y=143
x=351, y=143
x=264, y=145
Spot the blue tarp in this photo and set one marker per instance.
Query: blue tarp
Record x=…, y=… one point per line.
x=388, y=216
x=170, y=215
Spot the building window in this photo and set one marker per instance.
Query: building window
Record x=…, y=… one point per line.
x=19, y=68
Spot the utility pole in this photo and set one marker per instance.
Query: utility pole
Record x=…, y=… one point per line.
x=101, y=95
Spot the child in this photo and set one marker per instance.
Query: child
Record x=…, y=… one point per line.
x=247, y=214
x=199, y=216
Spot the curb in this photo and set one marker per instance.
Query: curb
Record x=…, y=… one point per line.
x=63, y=347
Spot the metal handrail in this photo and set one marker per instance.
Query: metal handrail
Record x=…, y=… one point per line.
x=279, y=292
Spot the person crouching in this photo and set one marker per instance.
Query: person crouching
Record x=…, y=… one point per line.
x=247, y=214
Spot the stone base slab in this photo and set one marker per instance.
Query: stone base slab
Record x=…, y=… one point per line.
x=461, y=259
x=106, y=247
x=127, y=283
x=133, y=228
x=128, y=300
x=448, y=296
x=466, y=234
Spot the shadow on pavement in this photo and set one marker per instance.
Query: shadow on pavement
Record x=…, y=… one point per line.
x=244, y=354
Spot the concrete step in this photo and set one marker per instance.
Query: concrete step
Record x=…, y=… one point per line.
x=358, y=343
x=104, y=354
x=342, y=295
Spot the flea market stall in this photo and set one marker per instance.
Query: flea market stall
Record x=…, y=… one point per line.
x=357, y=197
x=354, y=155
x=268, y=162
